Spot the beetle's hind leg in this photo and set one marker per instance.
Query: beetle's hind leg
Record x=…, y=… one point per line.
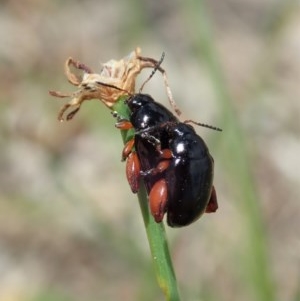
x=212, y=205
x=158, y=199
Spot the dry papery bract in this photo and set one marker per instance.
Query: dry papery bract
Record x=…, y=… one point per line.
x=121, y=74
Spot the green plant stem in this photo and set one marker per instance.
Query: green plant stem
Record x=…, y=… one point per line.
x=156, y=233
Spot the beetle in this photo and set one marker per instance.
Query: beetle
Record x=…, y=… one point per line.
x=173, y=160
x=184, y=184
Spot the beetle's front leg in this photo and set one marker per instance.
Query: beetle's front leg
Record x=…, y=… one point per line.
x=133, y=166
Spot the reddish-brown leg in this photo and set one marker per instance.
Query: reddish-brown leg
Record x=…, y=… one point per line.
x=124, y=125
x=212, y=205
x=162, y=165
x=158, y=200
x=166, y=153
x=127, y=149
x=133, y=169
x=133, y=166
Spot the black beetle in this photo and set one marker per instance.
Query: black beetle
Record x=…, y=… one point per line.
x=173, y=160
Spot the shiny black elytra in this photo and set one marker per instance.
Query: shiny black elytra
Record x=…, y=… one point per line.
x=173, y=160
x=188, y=176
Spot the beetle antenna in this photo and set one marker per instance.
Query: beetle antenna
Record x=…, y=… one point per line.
x=113, y=86
x=203, y=125
x=157, y=66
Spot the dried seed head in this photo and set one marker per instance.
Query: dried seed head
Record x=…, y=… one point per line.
x=121, y=74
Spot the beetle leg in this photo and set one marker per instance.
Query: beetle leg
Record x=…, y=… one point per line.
x=119, y=117
x=161, y=167
x=127, y=149
x=133, y=171
x=212, y=205
x=165, y=154
x=158, y=198
x=133, y=166
x=150, y=138
x=122, y=123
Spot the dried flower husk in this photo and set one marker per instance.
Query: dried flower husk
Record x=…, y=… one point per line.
x=117, y=78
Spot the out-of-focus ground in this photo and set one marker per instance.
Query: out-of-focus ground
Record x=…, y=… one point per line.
x=70, y=229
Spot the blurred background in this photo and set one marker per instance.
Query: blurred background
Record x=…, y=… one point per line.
x=70, y=228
